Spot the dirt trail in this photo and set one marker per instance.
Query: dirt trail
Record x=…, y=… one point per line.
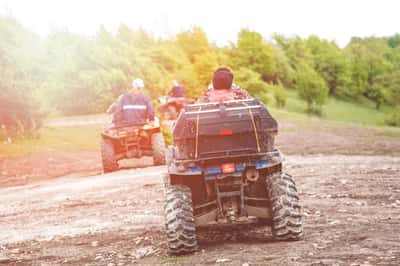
x=348, y=179
x=351, y=216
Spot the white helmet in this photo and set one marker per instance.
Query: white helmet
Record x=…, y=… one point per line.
x=175, y=83
x=138, y=83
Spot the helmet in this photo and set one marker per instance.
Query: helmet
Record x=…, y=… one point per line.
x=222, y=79
x=138, y=83
x=175, y=83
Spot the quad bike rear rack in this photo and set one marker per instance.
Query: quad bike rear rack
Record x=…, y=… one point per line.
x=226, y=109
x=224, y=102
x=222, y=108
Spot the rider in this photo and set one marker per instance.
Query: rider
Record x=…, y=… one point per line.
x=134, y=106
x=177, y=90
x=222, y=88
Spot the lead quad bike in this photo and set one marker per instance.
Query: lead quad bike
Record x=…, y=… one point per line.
x=127, y=140
x=223, y=168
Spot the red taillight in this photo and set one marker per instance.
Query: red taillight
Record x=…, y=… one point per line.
x=225, y=132
x=228, y=168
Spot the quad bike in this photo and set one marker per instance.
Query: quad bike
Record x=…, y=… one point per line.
x=224, y=168
x=171, y=106
x=125, y=141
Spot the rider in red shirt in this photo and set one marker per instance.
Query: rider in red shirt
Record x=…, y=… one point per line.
x=222, y=88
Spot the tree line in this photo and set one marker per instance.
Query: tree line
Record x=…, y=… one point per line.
x=72, y=74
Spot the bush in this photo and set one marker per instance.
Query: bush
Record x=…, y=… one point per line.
x=393, y=118
x=251, y=81
x=167, y=136
x=280, y=95
x=18, y=120
x=312, y=88
x=264, y=97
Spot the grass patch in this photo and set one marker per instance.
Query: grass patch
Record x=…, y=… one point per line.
x=82, y=138
x=74, y=117
x=336, y=110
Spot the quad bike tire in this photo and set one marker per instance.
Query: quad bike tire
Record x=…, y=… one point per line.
x=285, y=208
x=158, y=147
x=110, y=164
x=179, y=220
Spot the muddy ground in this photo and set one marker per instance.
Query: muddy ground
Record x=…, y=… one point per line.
x=348, y=179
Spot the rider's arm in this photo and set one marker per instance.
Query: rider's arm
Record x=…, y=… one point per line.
x=118, y=110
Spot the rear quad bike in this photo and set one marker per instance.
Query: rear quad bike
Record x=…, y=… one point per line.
x=171, y=106
x=126, y=141
x=225, y=168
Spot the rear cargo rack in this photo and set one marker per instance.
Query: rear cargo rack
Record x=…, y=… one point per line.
x=224, y=102
x=227, y=109
x=199, y=130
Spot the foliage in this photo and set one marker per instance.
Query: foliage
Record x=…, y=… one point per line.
x=168, y=138
x=284, y=73
x=194, y=43
x=251, y=81
x=20, y=75
x=330, y=63
x=71, y=74
x=312, y=88
x=252, y=52
x=280, y=95
x=295, y=49
x=393, y=119
x=370, y=62
x=337, y=109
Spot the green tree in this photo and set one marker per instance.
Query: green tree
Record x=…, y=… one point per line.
x=280, y=95
x=204, y=66
x=394, y=41
x=330, y=63
x=253, y=53
x=312, y=88
x=284, y=73
x=393, y=118
x=370, y=62
x=194, y=42
x=251, y=81
x=20, y=76
x=202, y=57
x=296, y=50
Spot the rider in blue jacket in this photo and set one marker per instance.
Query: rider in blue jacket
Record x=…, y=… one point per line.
x=177, y=90
x=134, y=107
